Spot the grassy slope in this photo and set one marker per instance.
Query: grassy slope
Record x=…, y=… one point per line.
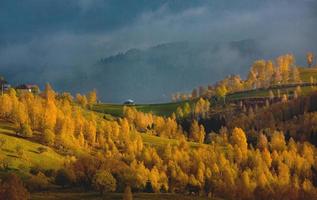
x=164, y=109
x=265, y=93
x=167, y=109
x=305, y=74
x=159, y=142
x=51, y=159
x=47, y=160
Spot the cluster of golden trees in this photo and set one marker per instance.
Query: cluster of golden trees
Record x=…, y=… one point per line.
x=310, y=59
x=86, y=100
x=58, y=120
x=198, y=109
x=263, y=73
x=228, y=167
x=183, y=111
x=165, y=127
x=297, y=118
x=54, y=118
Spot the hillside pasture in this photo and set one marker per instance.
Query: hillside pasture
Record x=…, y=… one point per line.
x=306, y=73
x=156, y=141
x=31, y=156
x=164, y=109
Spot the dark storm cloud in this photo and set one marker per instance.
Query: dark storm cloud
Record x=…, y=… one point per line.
x=53, y=39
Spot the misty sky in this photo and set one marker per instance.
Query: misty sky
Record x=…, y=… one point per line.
x=49, y=40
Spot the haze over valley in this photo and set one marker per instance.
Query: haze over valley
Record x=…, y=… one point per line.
x=147, y=50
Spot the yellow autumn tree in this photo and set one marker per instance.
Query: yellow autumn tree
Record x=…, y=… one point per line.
x=129, y=113
x=50, y=115
x=269, y=72
x=89, y=131
x=278, y=142
x=283, y=174
x=238, y=138
x=92, y=98
x=81, y=100
x=202, y=107
x=19, y=114
x=221, y=92
x=258, y=68
x=5, y=106
x=197, y=132
x=309, y=58
x=285, y=63
x=295, y=75
x=262, y=142
x=48, y=93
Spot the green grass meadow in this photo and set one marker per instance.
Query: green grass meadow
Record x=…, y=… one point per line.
x=161, y=142
x=305, y=74
x=31, y=155
x=164, y=109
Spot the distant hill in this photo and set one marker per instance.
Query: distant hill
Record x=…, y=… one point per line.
x=147, y=75
x=151, y=75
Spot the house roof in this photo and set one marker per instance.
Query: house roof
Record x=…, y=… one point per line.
x=26, y=86
x=129, y=100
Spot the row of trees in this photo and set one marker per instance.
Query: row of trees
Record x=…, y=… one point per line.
x=296, y=118
x=196, y=110
x=263, y=73
x=57, y=120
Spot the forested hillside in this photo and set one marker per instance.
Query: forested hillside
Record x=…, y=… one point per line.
x=209, y=146
x=158, y=100
x=113, y=155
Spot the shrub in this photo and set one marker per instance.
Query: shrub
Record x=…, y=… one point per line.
x=2, y=142
x=50, y=173
x=26, y=131
x=35, y=169
x=65, y=177
x=38, y=182
x=13, y=188
x=19, y=150
x=85, y=168
x=5, y=163
x=22, y=167
x=48, y=136
x=103, y=182
x=1, y=161
x=41, y=149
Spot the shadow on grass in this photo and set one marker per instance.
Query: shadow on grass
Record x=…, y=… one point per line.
x=7, y=150
x=33, y=151
x=13, y=156
x=8, y=126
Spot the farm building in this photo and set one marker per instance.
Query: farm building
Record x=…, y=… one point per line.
x=6, y=87
x=27, y=88
x=128, y=102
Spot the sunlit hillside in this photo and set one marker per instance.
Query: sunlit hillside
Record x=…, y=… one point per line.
x=158, y=100
x=231, y=142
